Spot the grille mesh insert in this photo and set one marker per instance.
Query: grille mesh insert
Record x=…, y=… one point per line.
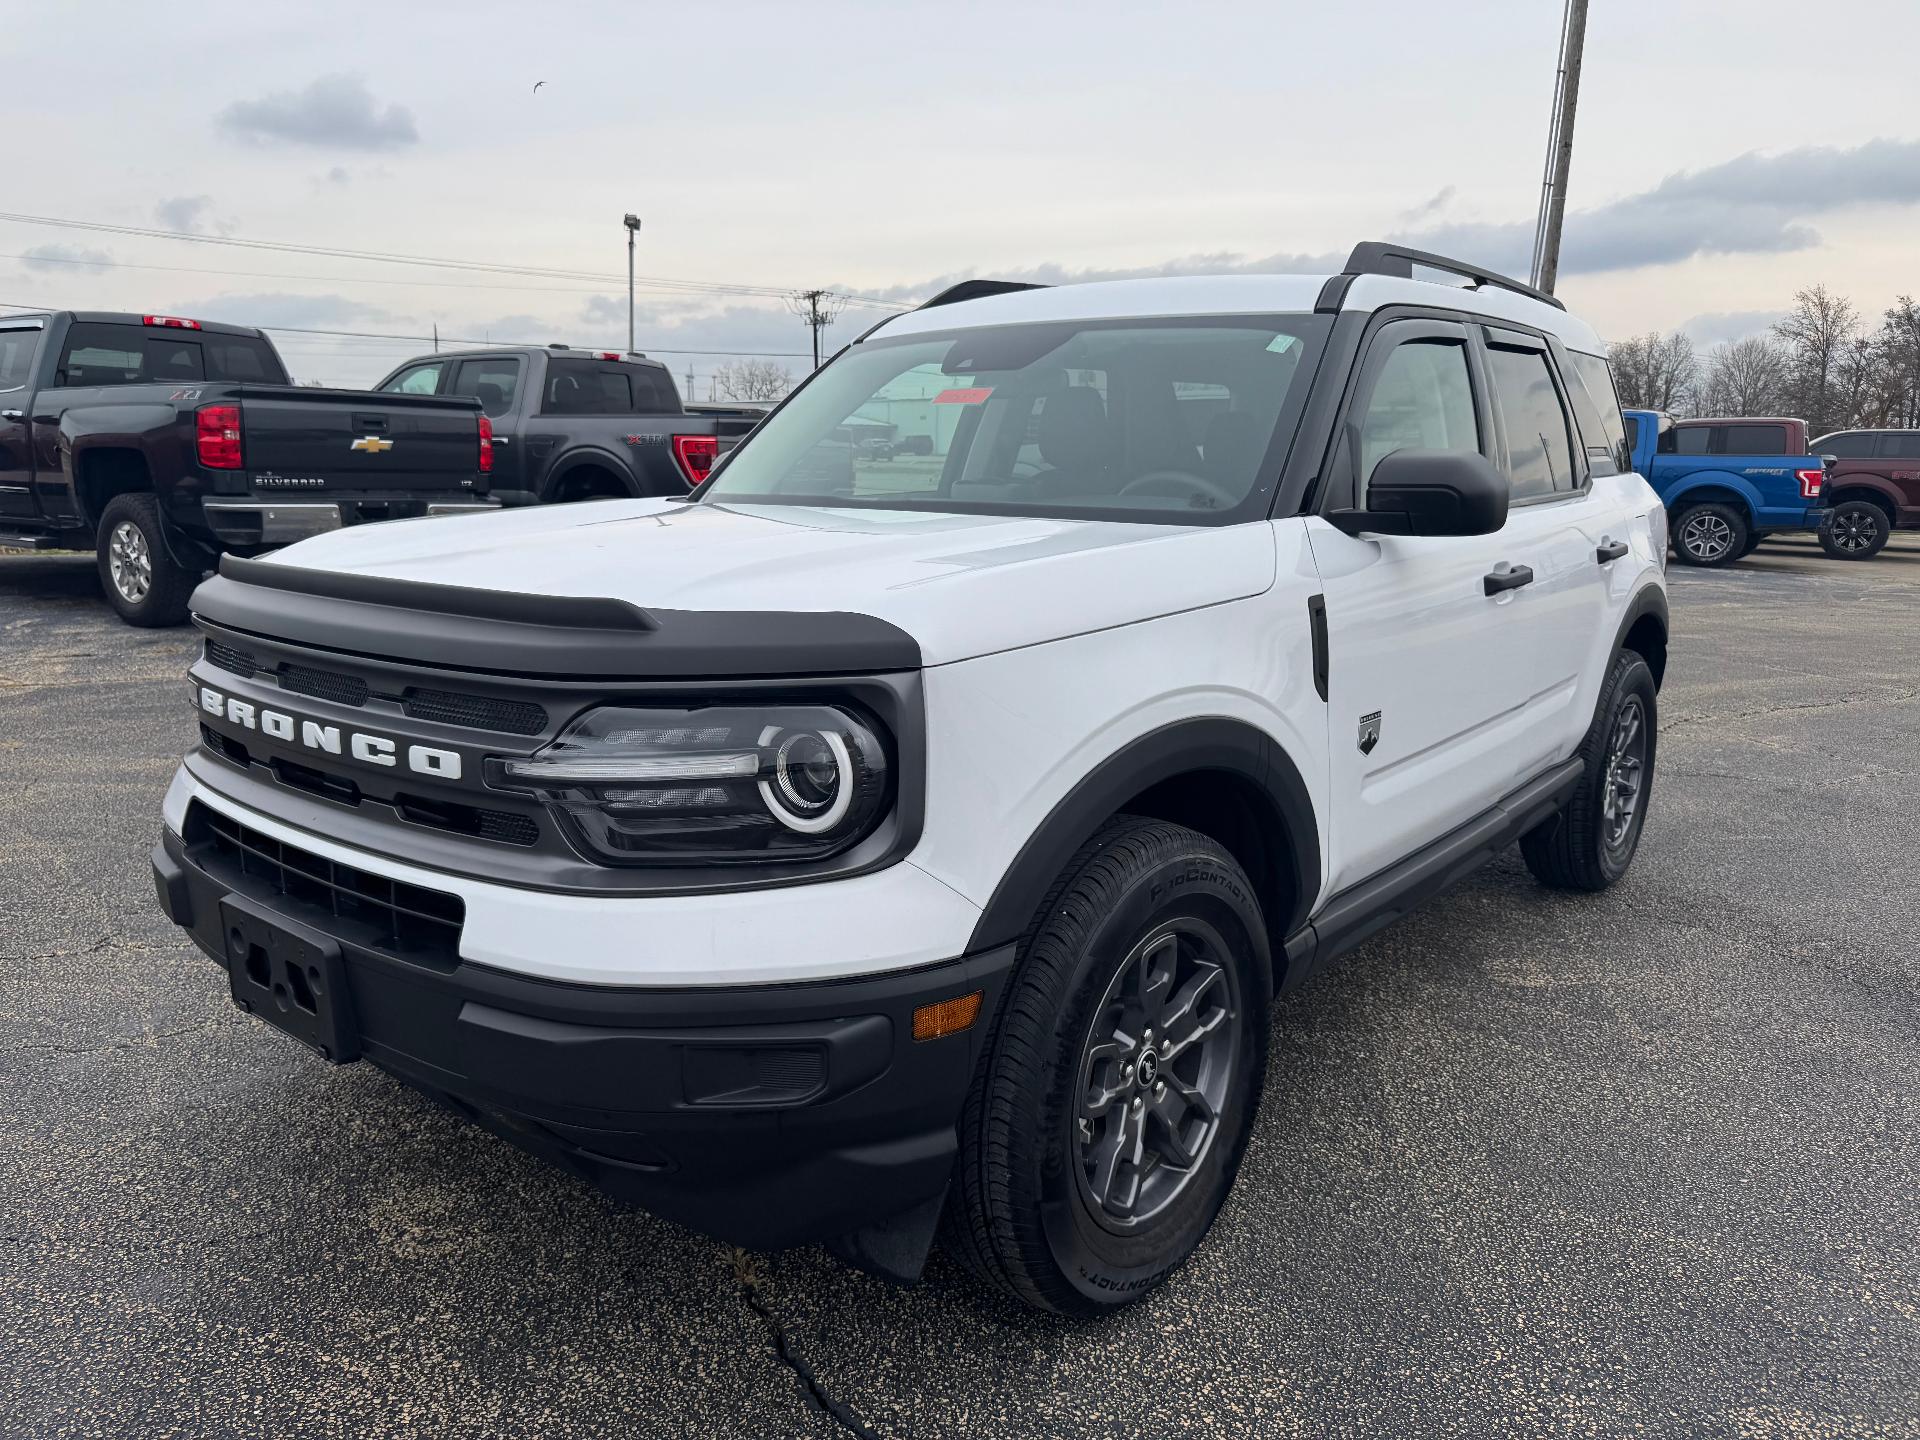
x=479, y=712
x=237, y=662
x=324, y=685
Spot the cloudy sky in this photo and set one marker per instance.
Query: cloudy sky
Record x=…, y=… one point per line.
x=875, y=148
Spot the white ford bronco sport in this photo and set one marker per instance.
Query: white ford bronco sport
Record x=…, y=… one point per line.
x=884, y=838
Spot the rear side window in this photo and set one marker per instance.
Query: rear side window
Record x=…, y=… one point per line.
x=17, y=349
x=1902, y=445
x=107, y=354
x=1597, y=408
x=1633, y=431
x=581, y=388
x=1687, y=440
x=492, y=381
x=1422, y=400
x=1539, y=441
x=1753, y=440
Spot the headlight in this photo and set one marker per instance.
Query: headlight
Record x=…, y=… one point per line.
x=710, y=784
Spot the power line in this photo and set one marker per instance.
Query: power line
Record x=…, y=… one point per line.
x=386, y=257
x=454, y=339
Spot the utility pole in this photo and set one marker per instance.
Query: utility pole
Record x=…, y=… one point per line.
x=818, y=308
x=1553, y=198
x=689, y=379
x=632, y=222
x=436, y=337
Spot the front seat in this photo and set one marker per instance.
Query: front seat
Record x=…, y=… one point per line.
x=1075, y=443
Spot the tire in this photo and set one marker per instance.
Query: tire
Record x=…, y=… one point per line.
x=1753, y=544
x=142, y=580
x=1143, y=904
x=1856, y=530
x=1709, y=535
x=1586, y=845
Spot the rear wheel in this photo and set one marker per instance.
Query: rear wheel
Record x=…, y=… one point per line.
x=1119, y=1088
x=1856, y=530
x=139, y=574
x=1591, y=841
x=1710, y=534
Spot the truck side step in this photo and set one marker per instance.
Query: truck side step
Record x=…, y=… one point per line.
x=11, y=541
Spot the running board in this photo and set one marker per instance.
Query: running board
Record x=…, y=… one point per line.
x=1361, y=911
x=36, y=542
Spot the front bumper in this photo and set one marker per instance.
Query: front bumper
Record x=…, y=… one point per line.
x=764, y=1115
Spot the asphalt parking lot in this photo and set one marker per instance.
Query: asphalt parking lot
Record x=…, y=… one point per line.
x=1645, y=1163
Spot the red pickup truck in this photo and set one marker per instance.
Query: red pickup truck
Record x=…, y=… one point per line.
x=1873, y=485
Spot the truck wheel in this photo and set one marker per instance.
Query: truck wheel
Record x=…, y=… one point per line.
x=1856, y=530
x=1120, y=1083
x=142, y=580
x=1710, y=534
x=1753, y=544
x=1590, y=842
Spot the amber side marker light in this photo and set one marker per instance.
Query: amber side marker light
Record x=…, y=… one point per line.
x=946, y=1017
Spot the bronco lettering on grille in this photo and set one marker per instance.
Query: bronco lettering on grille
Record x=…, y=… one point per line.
x=330, y=739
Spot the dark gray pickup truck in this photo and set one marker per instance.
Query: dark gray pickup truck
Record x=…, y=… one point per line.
x=160, y=443
x=580, y=424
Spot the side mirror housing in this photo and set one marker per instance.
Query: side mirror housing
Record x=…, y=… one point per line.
x=1430, y=492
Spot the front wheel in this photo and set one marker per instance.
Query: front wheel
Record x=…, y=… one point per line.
x=1856, y=530
x=142, y=580
x=1590, y=841
x=1709, y=535
x=1119, y=1088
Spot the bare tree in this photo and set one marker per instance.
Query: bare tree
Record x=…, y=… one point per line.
x=1816, y=332
x=1744, y=377
x=1655, y=371
x=752, y=380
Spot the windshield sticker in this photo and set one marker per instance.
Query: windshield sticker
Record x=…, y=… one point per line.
x=963, y=397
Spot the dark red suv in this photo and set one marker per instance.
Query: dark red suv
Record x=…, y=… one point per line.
x=1873, y=486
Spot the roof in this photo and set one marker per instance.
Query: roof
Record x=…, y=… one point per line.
x=1741, y=420
x=1237, y=295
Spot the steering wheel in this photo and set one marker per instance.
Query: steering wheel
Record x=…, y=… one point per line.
x=1225, y=498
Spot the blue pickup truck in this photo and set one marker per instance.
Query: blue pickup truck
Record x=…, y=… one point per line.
x=1727, y=483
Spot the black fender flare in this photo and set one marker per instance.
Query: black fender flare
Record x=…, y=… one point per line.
x=1649, y=599
x=1214, y=744
x=584, y=457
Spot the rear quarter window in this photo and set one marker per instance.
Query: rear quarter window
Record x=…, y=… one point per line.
x=1754, y=440
x=1596, y=407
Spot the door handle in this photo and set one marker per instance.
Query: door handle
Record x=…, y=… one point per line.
x=13, y=414
x=501, y=440
x=1508, y=577
x=1610, y=550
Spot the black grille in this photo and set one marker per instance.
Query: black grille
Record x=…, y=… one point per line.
x=324, y=685
x=238, y=662
x=406, y=920
x=480, y=712
x=501, y=825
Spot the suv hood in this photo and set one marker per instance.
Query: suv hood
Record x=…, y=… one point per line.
x=961, y=585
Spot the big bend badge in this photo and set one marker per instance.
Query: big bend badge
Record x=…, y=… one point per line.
x=1369, y=732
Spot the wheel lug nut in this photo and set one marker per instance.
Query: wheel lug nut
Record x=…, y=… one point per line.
x=1138, y=1103
x=1160, y=1090
x=1128, y=1072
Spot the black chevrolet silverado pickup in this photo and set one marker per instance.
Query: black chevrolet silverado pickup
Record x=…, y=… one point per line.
x=580, y=424
x=161, y=442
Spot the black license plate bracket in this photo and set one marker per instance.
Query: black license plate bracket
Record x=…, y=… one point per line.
x=292, y=977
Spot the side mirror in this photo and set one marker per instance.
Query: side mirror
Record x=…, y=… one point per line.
x=1430, y=492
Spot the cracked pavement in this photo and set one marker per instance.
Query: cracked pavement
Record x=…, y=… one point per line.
x=1647, y=1162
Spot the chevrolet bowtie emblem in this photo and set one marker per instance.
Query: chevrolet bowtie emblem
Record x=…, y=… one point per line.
x=372, y=444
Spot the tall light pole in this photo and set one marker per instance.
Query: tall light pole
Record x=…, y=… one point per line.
x=1553, y=198
x=632, y=222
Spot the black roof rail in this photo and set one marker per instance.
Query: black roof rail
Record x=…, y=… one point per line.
x=1383, y=257
x=976, y=289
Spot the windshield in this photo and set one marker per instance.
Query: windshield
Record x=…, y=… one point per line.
x=1184, y=421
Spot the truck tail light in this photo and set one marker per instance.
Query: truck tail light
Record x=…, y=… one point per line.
x=1810, y=483
x=170, y=322
x=606, y=354
x=486, y=446
x=216, y=436
x=696, y=454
